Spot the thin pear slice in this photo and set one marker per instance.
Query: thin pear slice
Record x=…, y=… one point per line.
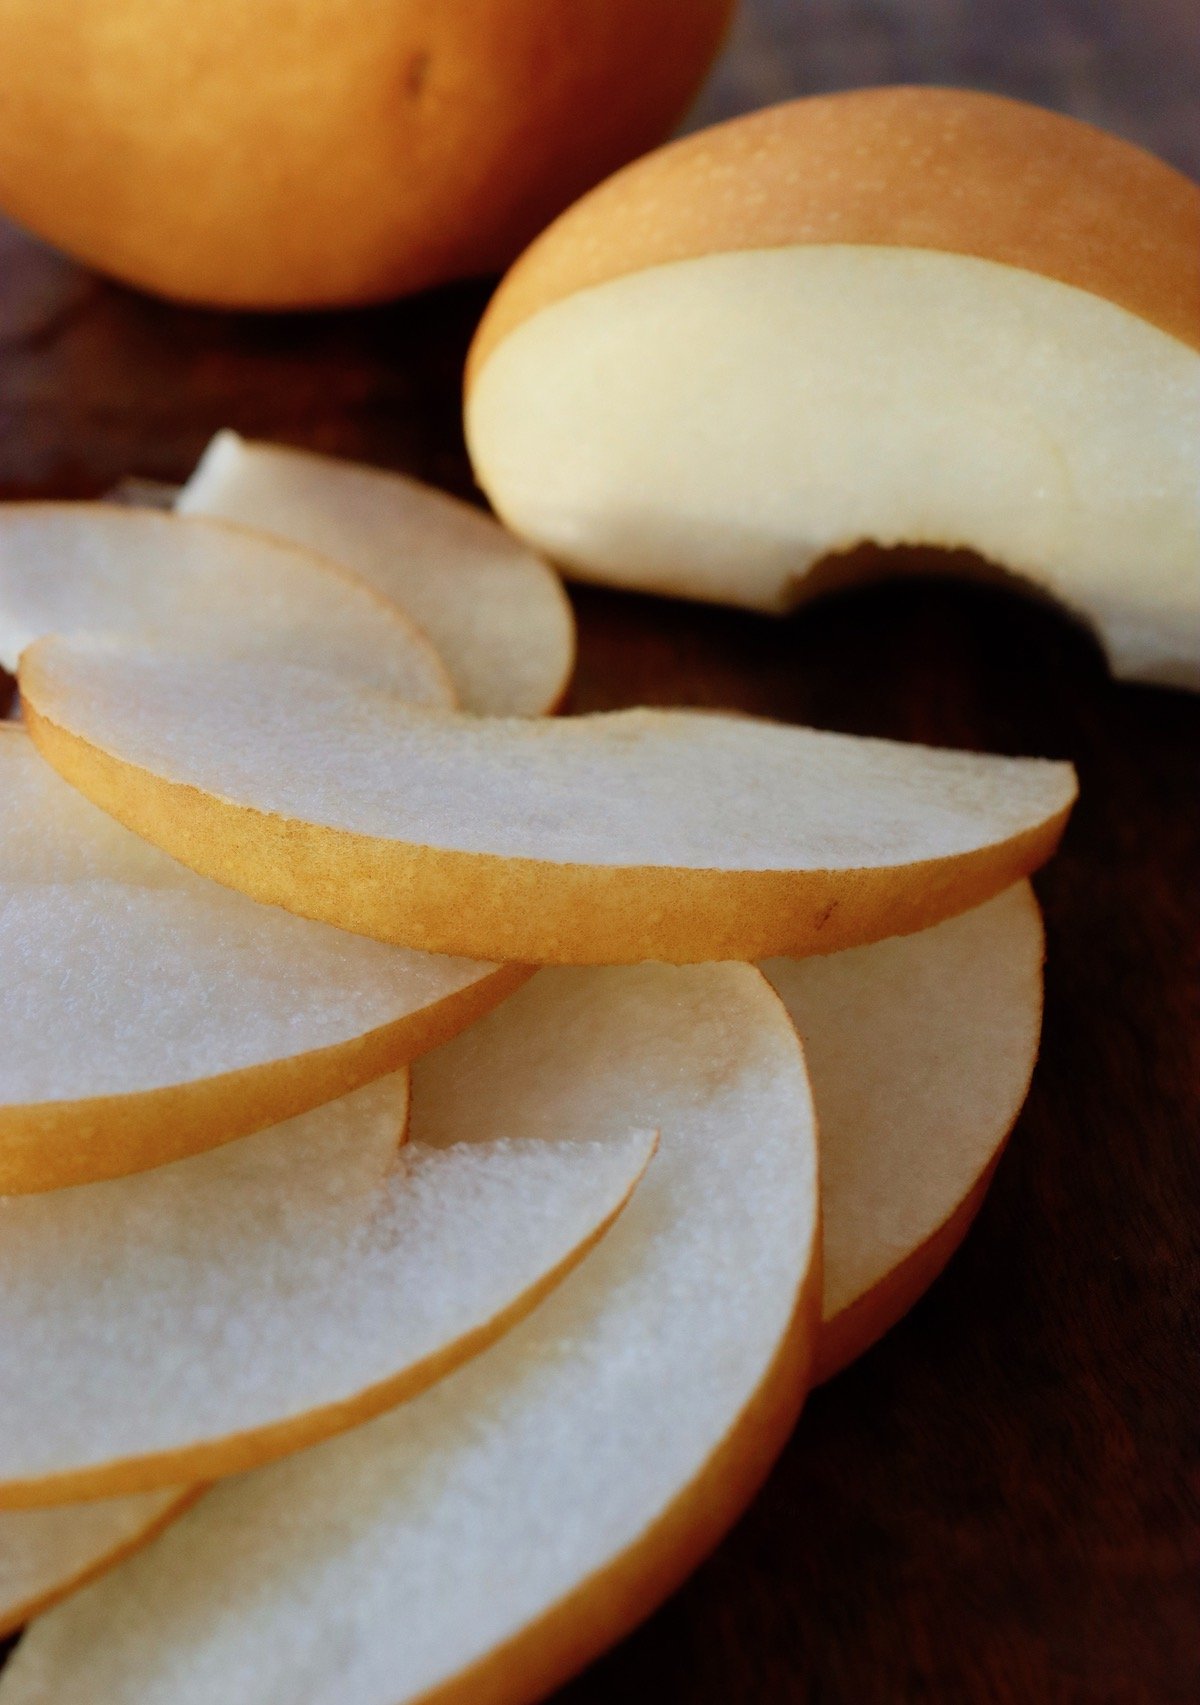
x=488, y=1539
x=204, y=586
x=150, y=1014
x=496, y=612
x=640, y=835
x=200, y=1319
x=920, y=1052
x=46, y=1554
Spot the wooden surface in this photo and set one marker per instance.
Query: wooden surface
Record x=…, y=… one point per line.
x=1002, y=1502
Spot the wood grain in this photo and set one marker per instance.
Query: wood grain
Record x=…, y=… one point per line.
x=1001, y=1504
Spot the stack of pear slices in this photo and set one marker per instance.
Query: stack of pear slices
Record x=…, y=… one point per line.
x=441, y=1146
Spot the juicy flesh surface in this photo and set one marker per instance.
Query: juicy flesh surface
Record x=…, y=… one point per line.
x=372, y=1568
x=276, y=1275
x=495, y=612
x=215, y=590
x=920, y=1051
x=714, y=427
x=657, y=788
x=126, y=972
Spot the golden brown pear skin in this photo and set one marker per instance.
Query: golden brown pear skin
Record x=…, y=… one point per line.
x=303, y=153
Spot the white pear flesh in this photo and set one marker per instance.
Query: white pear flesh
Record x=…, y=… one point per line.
x=208, y=1316
x=46, y=1554
x=637, y=835
x=713, y=427
x=150, y=1014
x=488, y=1539
x=495, y=611
x=205, y=586
x=920, y=1051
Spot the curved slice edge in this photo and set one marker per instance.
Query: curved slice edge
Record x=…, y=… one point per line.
x=859, y=1325
x=236, y=478
x=531, y=911
x=438, y=687
x=856, y=1329
x=609, y=1604
x=236, y=1453
x=52, y=1144
x=17, y=1611
x=613, y=1598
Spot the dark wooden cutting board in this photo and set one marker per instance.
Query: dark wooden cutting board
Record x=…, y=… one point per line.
x=1002, y=1502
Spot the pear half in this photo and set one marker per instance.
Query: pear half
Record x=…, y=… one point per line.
x=150, y=1014
x=920, y=1051
x=488, y=1539
x=496, y=612
x=199, y=1319
x=637, y=835
x=205, y=586
x=904, y=316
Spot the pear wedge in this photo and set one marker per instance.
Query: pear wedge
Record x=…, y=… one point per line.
x=202, y=1318
x=496, y=612
x=46, y=1554
x=489, y=1538
x=920, y=1052
x=150, y=1014
x=602, y=839
x=905, y=316
x=205, y=586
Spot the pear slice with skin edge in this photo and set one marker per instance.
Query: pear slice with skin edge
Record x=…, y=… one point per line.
x=275, y=1291
x=951, y=1015
x=920, y=1052
x=637, y=835
x=488, y=1539
x=895, y=316
x=47, y=1554
x=497, y=613
x=203, y=585
x=151, y=1014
